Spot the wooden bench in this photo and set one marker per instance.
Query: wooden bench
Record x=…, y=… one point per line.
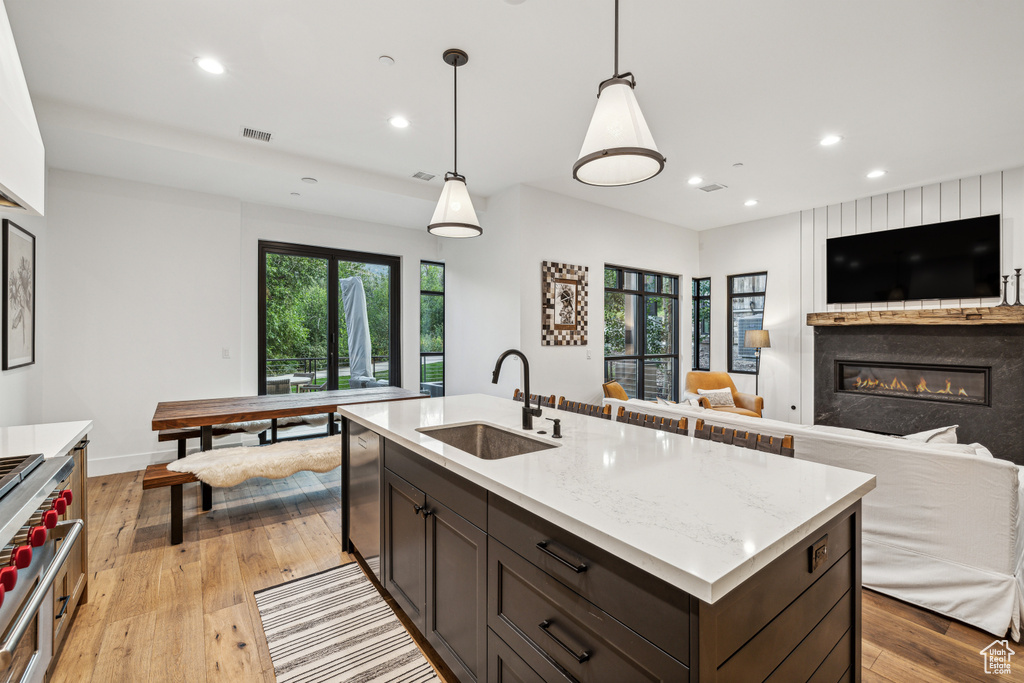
x=158, y=476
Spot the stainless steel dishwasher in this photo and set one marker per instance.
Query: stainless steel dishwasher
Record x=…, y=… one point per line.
x=365, y=462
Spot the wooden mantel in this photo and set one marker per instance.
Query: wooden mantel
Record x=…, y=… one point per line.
x=990, y=315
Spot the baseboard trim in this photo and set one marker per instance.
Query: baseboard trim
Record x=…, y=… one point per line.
x=133, y=462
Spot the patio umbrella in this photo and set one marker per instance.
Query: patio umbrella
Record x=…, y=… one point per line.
x=353, y=300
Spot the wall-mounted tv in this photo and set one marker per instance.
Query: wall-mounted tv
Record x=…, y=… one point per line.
x=951, y=260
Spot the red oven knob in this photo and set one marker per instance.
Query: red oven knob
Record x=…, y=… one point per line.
x=60, y=505
x=8, y=578
x=21, y=557
x=37, y=536
x=50, y=518
x=2, y=591
x=66, y=495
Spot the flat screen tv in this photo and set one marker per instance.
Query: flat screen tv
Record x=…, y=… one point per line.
x=951, y=260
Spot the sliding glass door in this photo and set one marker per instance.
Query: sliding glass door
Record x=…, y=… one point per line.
x=329, y=319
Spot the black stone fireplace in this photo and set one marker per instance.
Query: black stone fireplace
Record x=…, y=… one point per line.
x=901, y=379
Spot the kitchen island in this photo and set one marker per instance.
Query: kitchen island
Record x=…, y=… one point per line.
x=621, y=553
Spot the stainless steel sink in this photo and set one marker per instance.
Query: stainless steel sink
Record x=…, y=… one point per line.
x=486, y=441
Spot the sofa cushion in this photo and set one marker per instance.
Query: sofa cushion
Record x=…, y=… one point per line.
x=734, y=410
x=717, y=397
x=940, y=435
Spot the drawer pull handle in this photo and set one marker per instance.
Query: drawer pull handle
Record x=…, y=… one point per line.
x=63, y=608
x=582, y=657
x=578, y=568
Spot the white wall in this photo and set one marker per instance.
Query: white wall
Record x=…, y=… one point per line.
x=792, y=249
x=20, y=388
x=772, y=246
x=482, y=296
x=141, y=289
x=494, y=288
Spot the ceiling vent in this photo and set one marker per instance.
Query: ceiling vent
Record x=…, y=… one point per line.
x=253, y=134
x=423, y=176
x=712, y=187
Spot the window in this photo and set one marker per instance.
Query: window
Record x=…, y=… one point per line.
x=641, y=331
x=746, y=309
x=431, y=328
x=702, y=323
x=329, y=319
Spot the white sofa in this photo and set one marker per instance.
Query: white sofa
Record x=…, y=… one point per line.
x=942, y=529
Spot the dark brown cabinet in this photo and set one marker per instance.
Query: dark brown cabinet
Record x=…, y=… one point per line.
x=436, y=569
x=504, y=595
x=405, y=546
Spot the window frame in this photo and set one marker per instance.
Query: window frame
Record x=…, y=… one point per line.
x=640, y=342
x=444, y=326
x=729, y=319
x=333, y=256
x=697, y=298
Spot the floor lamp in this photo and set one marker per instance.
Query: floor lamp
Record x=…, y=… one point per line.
x=757, y=340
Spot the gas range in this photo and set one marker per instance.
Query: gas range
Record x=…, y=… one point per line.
x=34, y=543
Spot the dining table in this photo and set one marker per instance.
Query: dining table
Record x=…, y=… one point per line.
x=205, y=414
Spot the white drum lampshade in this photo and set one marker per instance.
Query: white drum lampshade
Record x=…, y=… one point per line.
x=454, y=215
x=619, y=148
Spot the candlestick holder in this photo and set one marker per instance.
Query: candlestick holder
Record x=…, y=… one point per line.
x=1006, y=289
x=1017, y=302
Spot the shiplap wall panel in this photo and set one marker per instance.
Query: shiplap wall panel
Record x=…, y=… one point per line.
x=833, y=228
x=820, y=234
x=894, y=218
x=808, y=291
x=970, y=197
x=970, y=207
x=912, y=207
x=939, y=202
x=862, y=214
x=1013, y=215
x=949, y=210
x=931, y=212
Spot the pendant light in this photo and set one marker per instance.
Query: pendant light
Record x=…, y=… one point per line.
x=454, y=215
x=619, y=148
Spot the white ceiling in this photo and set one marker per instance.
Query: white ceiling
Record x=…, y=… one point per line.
x=927, y=89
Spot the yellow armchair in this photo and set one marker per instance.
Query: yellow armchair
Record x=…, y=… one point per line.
x=746, y=404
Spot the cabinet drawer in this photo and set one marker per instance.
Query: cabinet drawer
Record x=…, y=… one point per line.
x=463, y=497
x=657, y=611
x=545, y=623
x=505, y=666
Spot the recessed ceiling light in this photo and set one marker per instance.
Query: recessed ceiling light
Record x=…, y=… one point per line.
x=385, y=60
x=209, y=65
x=877, y=173
x=695, y=180
x=399, y=121
x=311, y=181
x=830, y=140
x=750, y=202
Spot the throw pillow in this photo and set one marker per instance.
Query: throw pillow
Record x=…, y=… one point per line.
x=718, y=397
x=665, y=402
x=940, y=435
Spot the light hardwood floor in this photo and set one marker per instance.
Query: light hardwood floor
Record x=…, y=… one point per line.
x=186, y=613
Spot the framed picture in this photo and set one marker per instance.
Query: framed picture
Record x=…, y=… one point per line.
x=19, y=306
x=563, y=304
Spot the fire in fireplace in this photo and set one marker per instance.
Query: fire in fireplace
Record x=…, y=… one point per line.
x=948, y=383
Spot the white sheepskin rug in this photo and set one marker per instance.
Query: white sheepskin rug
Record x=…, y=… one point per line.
x=230, y=466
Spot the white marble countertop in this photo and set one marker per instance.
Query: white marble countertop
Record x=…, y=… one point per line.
x=52, y=440
x=703, y=516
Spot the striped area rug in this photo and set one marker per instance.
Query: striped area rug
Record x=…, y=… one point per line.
x=335, y=626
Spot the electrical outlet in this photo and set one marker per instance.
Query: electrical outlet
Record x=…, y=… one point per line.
x=225, y=353
x=590, y=354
